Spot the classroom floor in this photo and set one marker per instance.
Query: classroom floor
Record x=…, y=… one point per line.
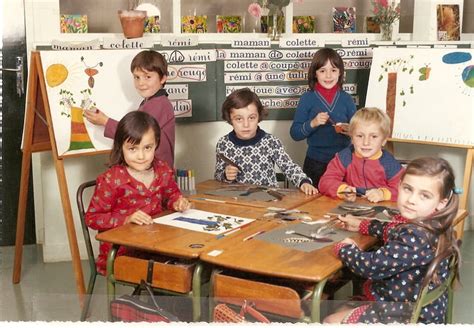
x=47, y=290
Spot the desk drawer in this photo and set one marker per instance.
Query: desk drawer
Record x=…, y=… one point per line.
x=271, y=298
x=174, y=277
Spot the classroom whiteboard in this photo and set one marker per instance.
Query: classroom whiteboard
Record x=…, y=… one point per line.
x=431, y=92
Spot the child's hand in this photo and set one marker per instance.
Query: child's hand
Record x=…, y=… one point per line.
x=350, y=222
x=231, y=172
x=349, y=241
x=349, y=194
x=320, y=119
x=308, y=189
x=139, y=217
x=181, y=205
x=374, y=195
x=95, y=116
x=342, y=128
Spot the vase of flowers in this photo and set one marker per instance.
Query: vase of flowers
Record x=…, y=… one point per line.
x=386, y=13
x=275, y=18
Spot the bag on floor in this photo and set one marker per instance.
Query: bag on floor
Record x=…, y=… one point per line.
x=131, y=308
x=223, y=313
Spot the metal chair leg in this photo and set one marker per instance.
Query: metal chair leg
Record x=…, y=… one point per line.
x=316, y=301
x=196, y=288
x=111, y=279
x=88, y=297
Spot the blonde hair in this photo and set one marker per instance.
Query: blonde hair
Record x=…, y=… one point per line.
x=370, y=115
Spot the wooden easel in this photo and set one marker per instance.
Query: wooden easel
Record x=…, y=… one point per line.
x=463, y=201
x=38, y=135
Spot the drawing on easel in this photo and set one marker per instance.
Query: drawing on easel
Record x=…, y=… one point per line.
x=412, y=86
x=203, y=221
x=82, y=80
x=79, y=137
x=91, y=71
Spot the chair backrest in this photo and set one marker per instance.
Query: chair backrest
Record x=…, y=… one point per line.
x=281, y=177
x=85, y=228
x=426, y=296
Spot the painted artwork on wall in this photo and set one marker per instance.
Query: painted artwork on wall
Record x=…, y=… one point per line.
x=344, y=19
x=428, y=93
x=448, y=22
x=228, y=24
x=194, y=24
x=73, y=24
x=304, y=24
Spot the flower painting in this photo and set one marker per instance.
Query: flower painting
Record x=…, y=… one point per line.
x=304, y=24
x=194, y=24
x=73, y=24
x=228, y=24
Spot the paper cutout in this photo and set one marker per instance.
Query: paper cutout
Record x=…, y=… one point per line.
x=203, y=221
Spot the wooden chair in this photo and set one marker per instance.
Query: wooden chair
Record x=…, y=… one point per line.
x=181, y=280
x=427, y=296
x=277, y=302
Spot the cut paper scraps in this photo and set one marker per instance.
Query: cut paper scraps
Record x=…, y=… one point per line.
x=428, y=93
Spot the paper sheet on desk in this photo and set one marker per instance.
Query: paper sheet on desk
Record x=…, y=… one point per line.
x=381, y=216
x=279, y=236
x=203, y=221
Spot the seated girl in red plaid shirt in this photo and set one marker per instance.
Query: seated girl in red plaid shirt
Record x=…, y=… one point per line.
x=136, y=187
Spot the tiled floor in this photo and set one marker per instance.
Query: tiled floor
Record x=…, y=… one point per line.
x=47, y=291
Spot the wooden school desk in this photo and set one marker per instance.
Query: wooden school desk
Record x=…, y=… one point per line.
x=291, y=200
x=326, y=204
x=175, y=242
x=272, y=260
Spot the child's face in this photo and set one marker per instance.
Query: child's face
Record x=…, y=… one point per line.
x=147, y=83
x=245, y=121
x=368, y=139
x=419, y=196
x=140, y=156
x=327, y=75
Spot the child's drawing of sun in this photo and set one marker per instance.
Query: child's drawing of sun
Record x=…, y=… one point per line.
x=58, y=73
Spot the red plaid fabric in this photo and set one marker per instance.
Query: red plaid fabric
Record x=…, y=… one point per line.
x=129, y=309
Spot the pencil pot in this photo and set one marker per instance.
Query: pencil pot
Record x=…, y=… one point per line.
x=133, y=22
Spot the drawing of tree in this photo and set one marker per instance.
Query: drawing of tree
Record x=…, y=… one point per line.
x=392, y=68
x=79, y=136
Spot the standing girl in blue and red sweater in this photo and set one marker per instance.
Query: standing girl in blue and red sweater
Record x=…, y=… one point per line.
x=319, y=110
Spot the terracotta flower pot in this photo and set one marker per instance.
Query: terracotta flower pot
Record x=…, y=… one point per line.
x=133, y=22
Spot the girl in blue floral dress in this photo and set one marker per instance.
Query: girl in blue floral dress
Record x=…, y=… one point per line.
x=394, y=272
